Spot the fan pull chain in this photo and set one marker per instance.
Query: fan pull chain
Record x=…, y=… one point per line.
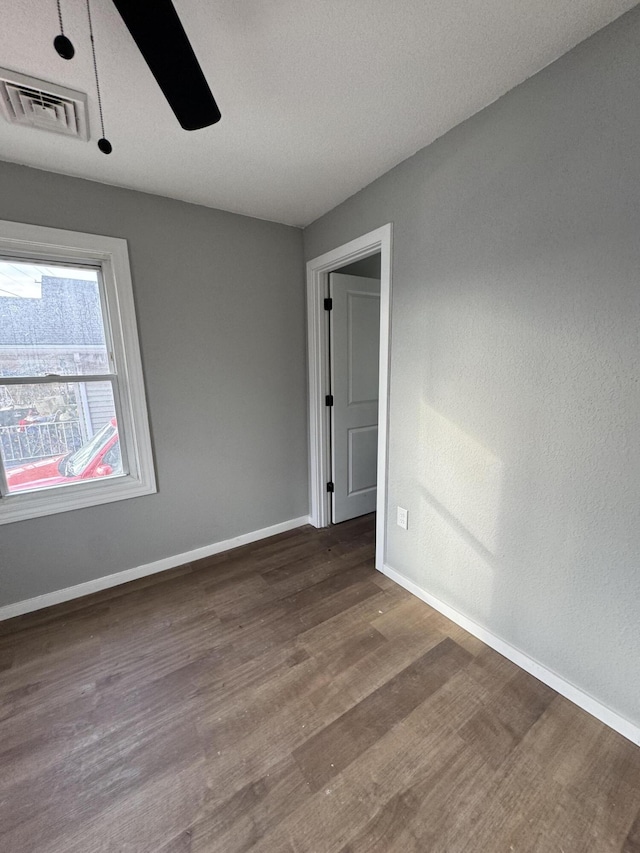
x=62, y=44
x=103, y=144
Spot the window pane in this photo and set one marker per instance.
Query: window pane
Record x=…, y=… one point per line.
x=50, y=320
x=58, y=433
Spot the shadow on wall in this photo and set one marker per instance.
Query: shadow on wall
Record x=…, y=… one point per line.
x=461, y=484
x=514, y=543
x=492, y=540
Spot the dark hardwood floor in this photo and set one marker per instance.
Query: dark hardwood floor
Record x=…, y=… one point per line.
x=285, y=697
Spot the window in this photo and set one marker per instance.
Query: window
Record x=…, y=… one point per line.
x=73, y=419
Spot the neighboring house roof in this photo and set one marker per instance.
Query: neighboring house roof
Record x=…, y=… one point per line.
x=68, y=312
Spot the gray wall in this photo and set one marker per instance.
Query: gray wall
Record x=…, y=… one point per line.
x=515, y=393
x=220, y=303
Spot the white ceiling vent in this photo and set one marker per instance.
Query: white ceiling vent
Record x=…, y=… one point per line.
x=25, y=100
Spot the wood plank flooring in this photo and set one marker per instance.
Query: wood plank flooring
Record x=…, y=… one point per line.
x=287, y=698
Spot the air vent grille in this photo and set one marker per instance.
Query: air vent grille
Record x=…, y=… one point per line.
x=36, y=103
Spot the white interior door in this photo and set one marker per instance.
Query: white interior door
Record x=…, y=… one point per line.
x=355, y=344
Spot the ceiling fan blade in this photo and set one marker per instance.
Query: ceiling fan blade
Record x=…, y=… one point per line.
x=162, y=41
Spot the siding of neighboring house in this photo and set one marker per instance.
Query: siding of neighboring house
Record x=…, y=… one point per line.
x=99, y=405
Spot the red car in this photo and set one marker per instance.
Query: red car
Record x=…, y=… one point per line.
x=99, y=457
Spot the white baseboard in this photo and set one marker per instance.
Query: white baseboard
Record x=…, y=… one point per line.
x=77, y=591
x=547, y=676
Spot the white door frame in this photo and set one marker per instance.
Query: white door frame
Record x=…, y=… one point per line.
x=318, y=271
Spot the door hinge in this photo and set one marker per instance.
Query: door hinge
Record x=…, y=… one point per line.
x=329, y=487
x=328, y=400
x=328, y=303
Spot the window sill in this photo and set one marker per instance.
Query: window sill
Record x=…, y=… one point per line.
x=20, y=507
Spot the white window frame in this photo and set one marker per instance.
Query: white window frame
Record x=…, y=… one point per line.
x=48, y=245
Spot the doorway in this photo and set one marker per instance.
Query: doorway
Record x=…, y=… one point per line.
x=321, y=470
x=354, y=341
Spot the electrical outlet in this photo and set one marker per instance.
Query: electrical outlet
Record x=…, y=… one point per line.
x=403, y=518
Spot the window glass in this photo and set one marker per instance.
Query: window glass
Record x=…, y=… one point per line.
x=54, y=434
x=50, y=320
x=73, y=418
x=113, y=458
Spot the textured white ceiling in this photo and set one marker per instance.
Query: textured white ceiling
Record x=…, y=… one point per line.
x=318, y=97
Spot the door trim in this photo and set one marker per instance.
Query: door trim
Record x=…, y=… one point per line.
x=318, y=269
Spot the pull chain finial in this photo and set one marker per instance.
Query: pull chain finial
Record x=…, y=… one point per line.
x=103, y=143
x=62, y=44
